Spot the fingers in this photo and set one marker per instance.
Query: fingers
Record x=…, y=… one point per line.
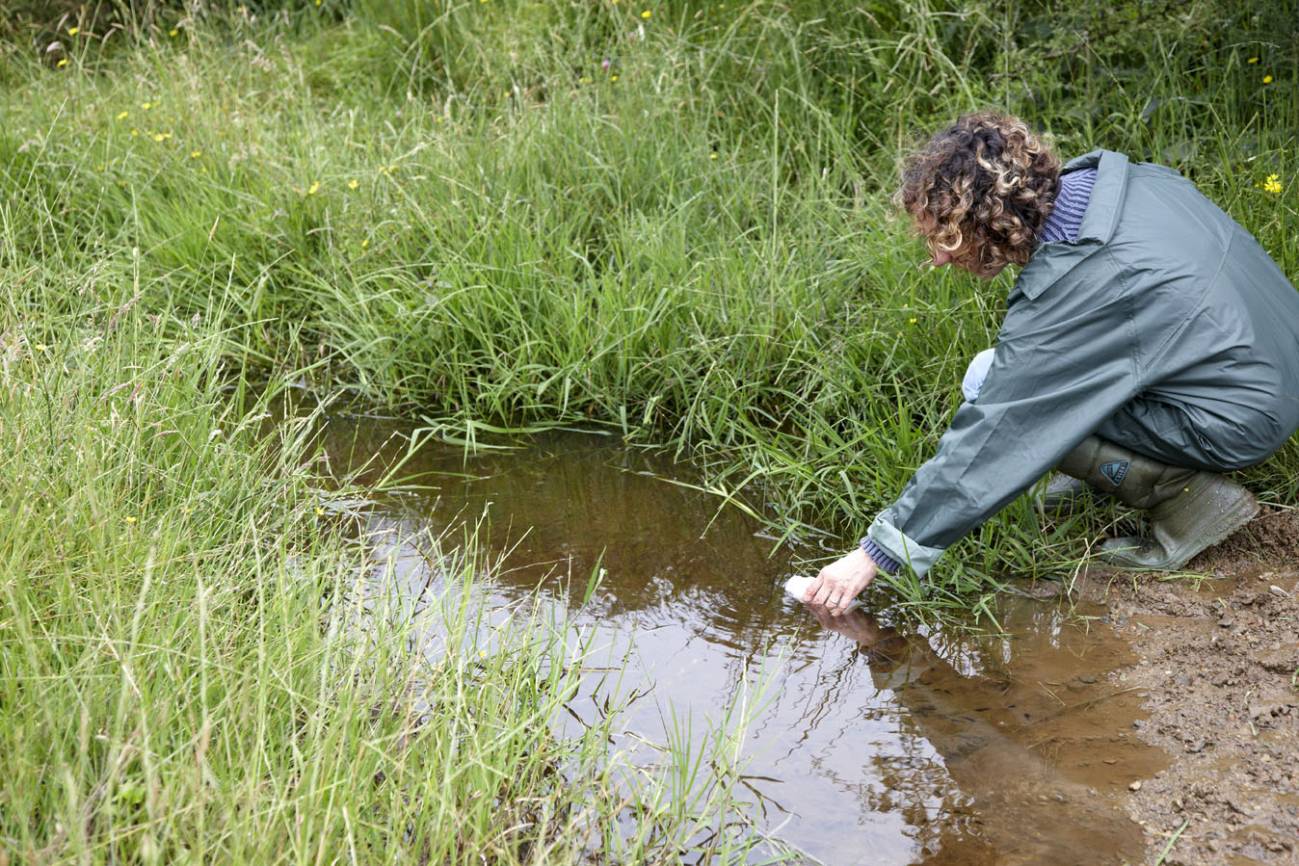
x=827, y=593
x=834, y=593
x=824, y=589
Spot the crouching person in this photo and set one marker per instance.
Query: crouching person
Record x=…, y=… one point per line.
x=1149, y=345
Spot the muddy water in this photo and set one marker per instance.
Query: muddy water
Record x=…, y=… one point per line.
x=877, y=744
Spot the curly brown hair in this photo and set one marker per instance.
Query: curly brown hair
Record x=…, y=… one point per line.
x=981, y=190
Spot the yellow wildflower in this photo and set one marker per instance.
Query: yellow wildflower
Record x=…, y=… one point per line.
x=195, y=154
x=173, y=32
x=73, y=31
x=320, y=512
x=585, y=79
x=913, y=320
x=134, y=132
x=159, y=136
x=314, y=188
x=713, y=155
x=365, y=244
x=40, y=347
x=353, y=183
x=482, y=654
x=1252, y=60
x=1272, y=184
x=613, y=77
x=123, y=115
x=146, y=105
x=130, y=521
x=646, y=14
x=62, y=62
x=1267, y=79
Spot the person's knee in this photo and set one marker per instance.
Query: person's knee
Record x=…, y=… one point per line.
x=1231, y=445
x=976, y=373
x=1243, y=456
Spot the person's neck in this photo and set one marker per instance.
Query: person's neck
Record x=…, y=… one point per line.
x=1071, y=197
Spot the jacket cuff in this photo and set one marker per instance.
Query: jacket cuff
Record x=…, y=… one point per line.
x=900, y=548
x=879, y=556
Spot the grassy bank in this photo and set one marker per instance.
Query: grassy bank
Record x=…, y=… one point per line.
x=198, y=662
x=671, y=218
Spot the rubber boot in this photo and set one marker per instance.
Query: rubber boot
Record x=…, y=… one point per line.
x=1189, y=509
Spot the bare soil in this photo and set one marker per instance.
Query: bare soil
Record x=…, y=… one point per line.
x=1219, y=666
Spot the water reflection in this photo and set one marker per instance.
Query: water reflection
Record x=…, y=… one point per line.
x=878, y=745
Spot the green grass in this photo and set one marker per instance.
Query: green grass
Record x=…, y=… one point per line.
x=194, y=666
x=454, y=211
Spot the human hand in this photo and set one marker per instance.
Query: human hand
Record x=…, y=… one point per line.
x=839, y=582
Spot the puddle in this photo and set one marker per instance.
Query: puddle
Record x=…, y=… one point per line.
x=879, y=745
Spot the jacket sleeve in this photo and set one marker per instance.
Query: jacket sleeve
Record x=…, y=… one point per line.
x=1061, y=368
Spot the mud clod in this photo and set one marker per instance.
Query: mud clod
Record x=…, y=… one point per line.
x=1273, y=537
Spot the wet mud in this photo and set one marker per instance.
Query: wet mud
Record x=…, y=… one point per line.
x=1218, y=666
x=1083, y=732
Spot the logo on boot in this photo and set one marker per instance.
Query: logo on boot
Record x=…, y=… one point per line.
x=1115, y=472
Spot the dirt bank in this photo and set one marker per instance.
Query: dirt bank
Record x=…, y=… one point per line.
x=1220, y=670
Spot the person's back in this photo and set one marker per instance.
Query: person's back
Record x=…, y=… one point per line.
x=1232, y=361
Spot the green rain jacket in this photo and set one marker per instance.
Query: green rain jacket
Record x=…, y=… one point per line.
x=1164, y=327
